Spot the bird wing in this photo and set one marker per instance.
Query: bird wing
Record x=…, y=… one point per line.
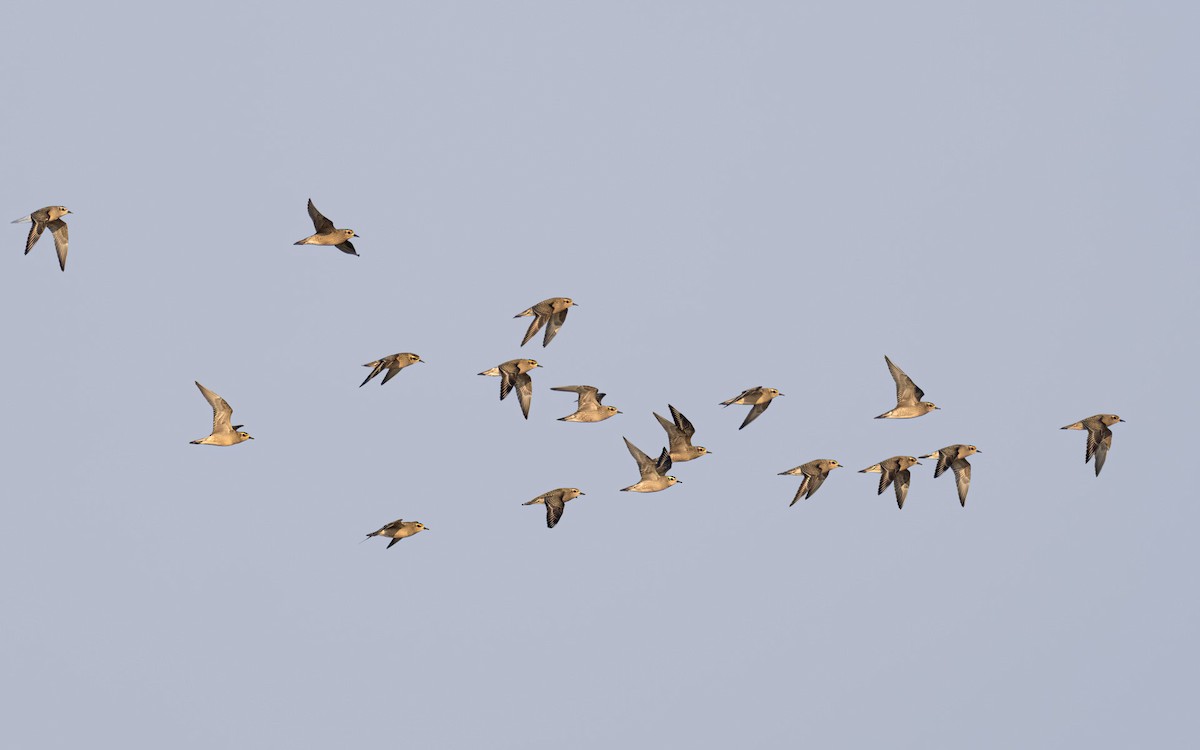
x=222, y=411
x=907, y=392
x=754, y=412
x=555, y=505
x=347, y=248
x=534, y=326
x=524, y=392
x=740, y=396
x=903, y=477
x=962, y=478
x=946, y=456
x=556, y=321
x=663, y=464
x=393, y=370
x=378, y=368
x=35, y=231
x=508, y=378
x=802, y=491
x=646, y=467
x=887, y=472
x=1102, y=446
x=589, y=395
x=674, y=437
x=322, y=225
x=814, y=483
x=58, y=230
x=682, y=422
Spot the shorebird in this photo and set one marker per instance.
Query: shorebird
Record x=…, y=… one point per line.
x=814, y=473
x=654, y=473
x=393, y=363
x=894, y=469
x=589, y=408
x=954, y=457
x=758, y=396
x=222, y=432
x=50, y=218
x=679, y=436
x=550, y=313
x=397, y=530
x=327, y=234
x=513, y=375
x=555, y=502
x=1099, y=437
x=908, y=396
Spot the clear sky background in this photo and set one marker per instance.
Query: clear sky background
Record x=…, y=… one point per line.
x=1001, y=197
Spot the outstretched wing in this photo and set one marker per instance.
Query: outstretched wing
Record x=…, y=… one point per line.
x=1103, y=443
x=222, y=411
x=903, y=477
x=646, y=467
x=754, y=412
x=682, y=422
x=347, y=248
x=556, y=321
x=907, y=392
x=962, y=478
x=534, y=327
x=58, y=230
x=589, y=396
x=524, y=392
x=322, y=225
x=35, y=232
x=554, y=508
x=663, y=464
x=946, y=456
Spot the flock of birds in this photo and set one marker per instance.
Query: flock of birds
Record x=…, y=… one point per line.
x=514, y=374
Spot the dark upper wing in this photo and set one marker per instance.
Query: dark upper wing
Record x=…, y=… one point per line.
x=322, y=225
x=58, y=229
x=903, y=477
x=508, y=378
x=886, y=475
x=554, y=508
x=754, y=412
x=347, y=248
x=802, y=491
x=682, y=422
x=663, y=464
x=945, y=457
x=35, y=231
x=378, y=369
x=534, y=326
x=907, y=392
x=962, y=478
x=391, y=373
x=556, y=321
x=814, y=483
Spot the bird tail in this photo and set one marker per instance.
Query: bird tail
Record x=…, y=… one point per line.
x=22, y=219
x=494, y=372
x=525, y=314
x=1076, y=426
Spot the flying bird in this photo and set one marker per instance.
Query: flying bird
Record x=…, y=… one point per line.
x=222, y=432
x=393, y=363
x=513, y=374
x=555, y=502
x=50, y=218
x=908, y=396
x=679, y=436
x=551, y=313
x=397, y=530
x=1099, y=437
x=327, y=234
x=814, y=473
x=759, y=397
x=894, y=469
x=654, y=473
x=954, y=457
x=589, y=408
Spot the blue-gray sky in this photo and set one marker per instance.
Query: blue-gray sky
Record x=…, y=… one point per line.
x=1000, y=197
